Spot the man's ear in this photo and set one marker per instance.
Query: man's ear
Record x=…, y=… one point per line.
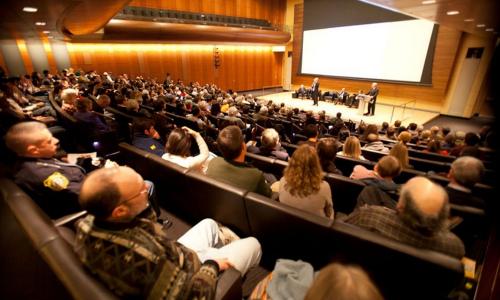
x=31, y=150
x=120, y=212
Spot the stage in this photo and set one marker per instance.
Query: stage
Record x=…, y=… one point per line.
x=384, y=111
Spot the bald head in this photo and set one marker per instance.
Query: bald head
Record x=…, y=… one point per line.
x=423, y=205
x=106, y=189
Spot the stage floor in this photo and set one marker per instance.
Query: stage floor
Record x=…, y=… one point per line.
x=384, y=111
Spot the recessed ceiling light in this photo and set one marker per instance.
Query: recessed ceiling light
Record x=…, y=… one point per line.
x=30, y=9
x=480, y=25
x=469, y=20
x=428, y=2
x=50, y=37
x=489, y=29
x=46, y=31
x=452, y=12
x=40, y=23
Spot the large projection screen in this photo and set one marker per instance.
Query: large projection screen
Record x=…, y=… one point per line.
x=361, y=41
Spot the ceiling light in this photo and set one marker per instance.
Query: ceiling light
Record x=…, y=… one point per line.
x=40, y=23
x=30, y=9
x=46, y=31
x=452, y=12
x=428, y=2
x=469, y=20
x=50, y=37
x=480, y=25
x=489, y=29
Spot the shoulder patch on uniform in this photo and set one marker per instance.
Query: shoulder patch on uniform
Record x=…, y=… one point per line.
x=152, y=147
x=56, y=182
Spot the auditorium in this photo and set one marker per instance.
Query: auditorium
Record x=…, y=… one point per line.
x=249, y=149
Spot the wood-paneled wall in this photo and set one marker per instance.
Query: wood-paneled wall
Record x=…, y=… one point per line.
x=447, y=45
x=242, y=67
x=271, y=10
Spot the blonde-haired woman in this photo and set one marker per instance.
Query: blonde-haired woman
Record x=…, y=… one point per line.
x=302, y=185
x=400, y=152
x=352, y=148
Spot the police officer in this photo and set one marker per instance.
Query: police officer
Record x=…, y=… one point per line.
x=55, y=185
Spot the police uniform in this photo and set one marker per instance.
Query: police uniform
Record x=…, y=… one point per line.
x=148, y=144
x=53, y=184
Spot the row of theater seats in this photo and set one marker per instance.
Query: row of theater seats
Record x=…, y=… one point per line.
x=163, y=15
x=286, y=232
x=38, y=261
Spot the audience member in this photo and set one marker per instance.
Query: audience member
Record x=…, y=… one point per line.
x=231, y=167
x=400, y=152
x=327, y=152
x=471, y=147
x=53, y=184
x=116, y=200
x=419, y=220
x=270, y=145
x=343, y=282
x=146, y=137
x=352, y=148
x=311, y=133
x=379, y=181
x=178, y=149
x=375, y=144
x=85, y=115
x=302, y=186
x=464, y=173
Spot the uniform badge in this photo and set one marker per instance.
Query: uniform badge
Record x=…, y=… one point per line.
x=152, y=147
x=56, y=182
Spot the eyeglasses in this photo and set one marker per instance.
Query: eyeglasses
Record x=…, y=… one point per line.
x=144, y=190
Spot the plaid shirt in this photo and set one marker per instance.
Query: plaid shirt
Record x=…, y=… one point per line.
x=387, y=222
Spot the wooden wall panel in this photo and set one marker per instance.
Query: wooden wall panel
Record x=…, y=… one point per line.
x=272, y=10
x=447, y=45
x=242, y=67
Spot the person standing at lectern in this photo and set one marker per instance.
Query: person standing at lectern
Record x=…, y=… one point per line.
x=315, y=91
x=373, y=92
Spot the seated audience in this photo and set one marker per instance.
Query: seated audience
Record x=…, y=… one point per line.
x=400, y=152
x=404, y=137
x=352, y=148
x=85, y=115
x=327, y=152
x=343, y=282
x=297, y=280
x=119, y=219
x=379, y=181
x=196, y=117
x=53, y=184
x=302, y=186
x=471, y=147
x=419, y=220
x=146, y=137
x=178, y=149
x=232, y=118
x=231, y=167
x=311, y=133
x=390, y=134
x=434, y=146
x=270, y=145
x=68, y=97
x=464, y=173
x=375, y=144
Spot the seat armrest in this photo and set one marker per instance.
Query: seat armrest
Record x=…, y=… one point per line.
x=69, y=219
x=229, y=285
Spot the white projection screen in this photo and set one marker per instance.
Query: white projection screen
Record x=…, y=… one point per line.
x=394, y=51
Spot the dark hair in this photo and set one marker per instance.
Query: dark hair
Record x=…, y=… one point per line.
x=311, y=130
x=195, y=111
x=370, y=129
x=83, y=105
x=179, y=143
x=471, y=139
x=101, y=204
x=230, y=142
x=327, y=151
x=142, y=124
x=412, y=126
x=339, y=114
